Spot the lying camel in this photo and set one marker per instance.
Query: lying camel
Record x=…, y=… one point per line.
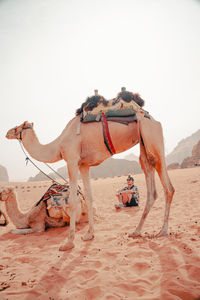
x=37, y=219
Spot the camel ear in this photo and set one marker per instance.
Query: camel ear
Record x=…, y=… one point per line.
x=32, y=124
x=25, y=124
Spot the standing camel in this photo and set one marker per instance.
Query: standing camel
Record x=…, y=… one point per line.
x=81, y=145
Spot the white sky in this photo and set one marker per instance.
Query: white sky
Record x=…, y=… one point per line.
x=53, y=54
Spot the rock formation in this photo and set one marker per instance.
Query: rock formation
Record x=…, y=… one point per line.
x=193, y=160
x=109, y=168
x=183, y=149
x=174, y=166
x=3, y=174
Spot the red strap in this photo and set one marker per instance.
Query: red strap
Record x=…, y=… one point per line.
x=108, y=137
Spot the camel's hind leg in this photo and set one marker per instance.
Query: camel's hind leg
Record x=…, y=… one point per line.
x=149, y=172
x=84, y=170
x=73, y=181
x=168, y=191
x=152, y=140
x=157, y=152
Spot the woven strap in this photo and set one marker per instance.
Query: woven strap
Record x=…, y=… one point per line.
x=106, y=135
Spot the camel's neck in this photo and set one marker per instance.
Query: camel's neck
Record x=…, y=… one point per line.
x=46, y=153
x=18, y=218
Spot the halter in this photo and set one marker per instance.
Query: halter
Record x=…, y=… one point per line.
x=20, y=133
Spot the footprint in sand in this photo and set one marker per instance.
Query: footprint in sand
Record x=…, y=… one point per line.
x=192, y=270
x=24, y=260
x=87, y=274
x=4, y=286
x=141, y=267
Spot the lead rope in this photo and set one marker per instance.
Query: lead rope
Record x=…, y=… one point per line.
x=56, y=173
x=28, y=159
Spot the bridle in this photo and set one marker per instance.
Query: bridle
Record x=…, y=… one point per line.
x=20, y=133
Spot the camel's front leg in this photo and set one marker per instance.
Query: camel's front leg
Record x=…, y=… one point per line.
x=73, y=181
x=84, y=170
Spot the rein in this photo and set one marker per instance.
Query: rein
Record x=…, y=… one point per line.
x=20, y=133
x=27, y=159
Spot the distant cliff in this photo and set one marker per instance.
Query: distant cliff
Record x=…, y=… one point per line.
x=109, y=168
x=42, y=177
x=132, y=157
x=3, y=174
x=115, y=167
x=194, y=159
x=183, y=149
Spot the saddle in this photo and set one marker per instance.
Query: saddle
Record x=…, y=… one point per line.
x=121, y=109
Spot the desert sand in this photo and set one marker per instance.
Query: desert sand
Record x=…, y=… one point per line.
x=112, y=265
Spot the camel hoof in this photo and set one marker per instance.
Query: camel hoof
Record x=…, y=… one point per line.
x=67, y=246
x=161, y=233
x=88, y=237
x=134, y=235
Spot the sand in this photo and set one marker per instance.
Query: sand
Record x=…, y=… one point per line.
x=112, y=265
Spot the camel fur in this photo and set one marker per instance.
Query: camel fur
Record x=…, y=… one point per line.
x=86, y=149
x=37, y=219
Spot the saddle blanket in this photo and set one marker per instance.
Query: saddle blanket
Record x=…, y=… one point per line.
x=55, y=200
x=91, y=117
x=54, y=193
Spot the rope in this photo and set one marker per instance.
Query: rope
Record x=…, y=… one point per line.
x=56, y=172
x=28, y=159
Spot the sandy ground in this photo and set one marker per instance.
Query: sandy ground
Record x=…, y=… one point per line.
x=112, y=266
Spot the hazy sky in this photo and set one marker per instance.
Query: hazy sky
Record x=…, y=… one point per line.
x=53, y=54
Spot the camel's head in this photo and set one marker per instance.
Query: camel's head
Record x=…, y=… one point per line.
x=5, y=193
x=16, y=132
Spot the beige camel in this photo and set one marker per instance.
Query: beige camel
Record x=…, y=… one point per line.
x=81, y=145
x=37, y=219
